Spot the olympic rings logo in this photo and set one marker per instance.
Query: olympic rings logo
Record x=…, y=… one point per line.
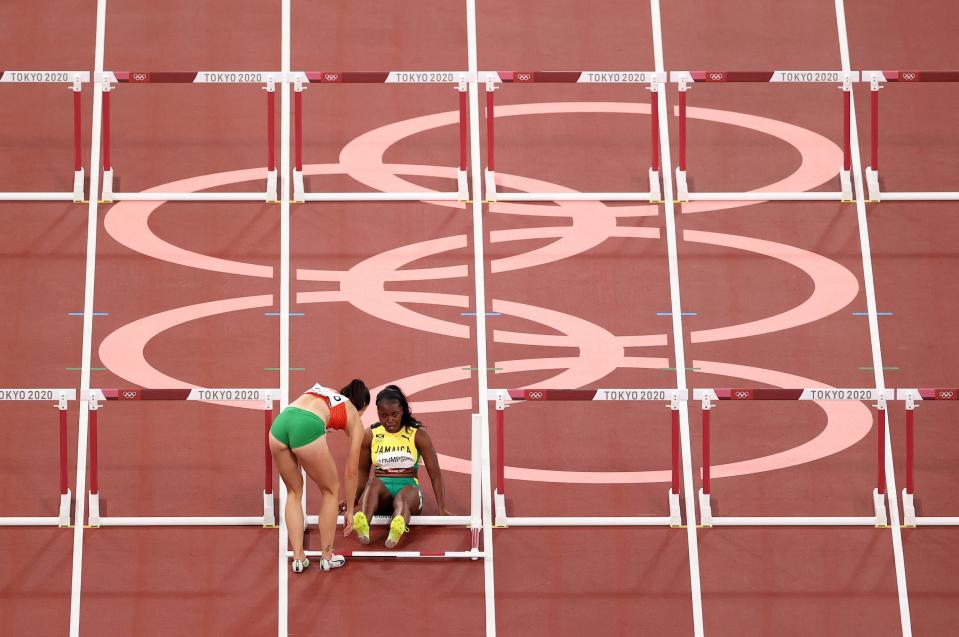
x=331, y=77
x=716, y=77
x=946, y=395
x=535, y=395
x=129, y=394
x=908, y=77
x=139, y=77
x=742, y=394
x=524, y=77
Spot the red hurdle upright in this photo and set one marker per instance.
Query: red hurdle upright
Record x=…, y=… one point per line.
x=250, y=398
x=708, y=396
x=493, y=79
x=686, y=79
x=504, y=398
x=458, y=79
x=913, y=397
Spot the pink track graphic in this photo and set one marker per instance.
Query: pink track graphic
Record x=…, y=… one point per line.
x=600, y=352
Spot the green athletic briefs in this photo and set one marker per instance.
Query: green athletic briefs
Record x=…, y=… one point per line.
x=297, y=427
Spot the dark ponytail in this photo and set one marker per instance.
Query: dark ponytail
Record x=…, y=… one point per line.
x=358, y=393
x=392, y=393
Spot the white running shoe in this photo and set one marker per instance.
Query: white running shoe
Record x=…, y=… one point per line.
x=335, y=561
x=301, y=565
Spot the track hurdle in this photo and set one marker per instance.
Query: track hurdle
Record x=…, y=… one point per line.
x=912, y=398
x=479, y=489
x=301, y=81
x=707, y=396
x=505, y=398
x=686, y=79
x=107, y=82
x=876, y=79
x=74, y=81
x=61, y=399
x=493, y=79
x=266, y=397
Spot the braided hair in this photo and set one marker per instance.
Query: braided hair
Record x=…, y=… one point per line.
x=392, y=393
x=358, y=393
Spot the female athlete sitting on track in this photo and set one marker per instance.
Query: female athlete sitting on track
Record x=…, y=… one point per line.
x=298, y=439
x=393, y=447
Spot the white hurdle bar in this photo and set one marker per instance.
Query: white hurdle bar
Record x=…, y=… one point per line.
x=301, y=81
x=912, y=398
x=504, y=398
x=74, y=81
x=107, y=81
x=876, y=79
x=685, y=80
x=266, y=397
x=707, y=396
x=493, y=79
x=473, y=522
x=61, y=399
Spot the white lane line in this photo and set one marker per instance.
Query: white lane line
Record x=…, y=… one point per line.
x=76, y=578
x=871, y=306
x=479, y=278
x=282, y=624
x=676, y=307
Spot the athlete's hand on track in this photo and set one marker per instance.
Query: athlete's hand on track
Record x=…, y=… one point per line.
x=347, y=522
x=445, y=512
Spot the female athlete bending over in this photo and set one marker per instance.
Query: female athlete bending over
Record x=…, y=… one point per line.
x=298, y=438
x=393, y=447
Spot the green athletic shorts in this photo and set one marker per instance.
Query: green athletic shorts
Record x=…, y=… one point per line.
x=296, y=427
x=393, y=485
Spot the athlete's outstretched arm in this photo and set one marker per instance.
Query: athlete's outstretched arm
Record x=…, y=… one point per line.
x=425, y=446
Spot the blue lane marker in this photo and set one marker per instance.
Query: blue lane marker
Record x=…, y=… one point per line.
x=867, y=313
x=81, y=314
x=487, y=314
x=681, y=314
x=278, y=314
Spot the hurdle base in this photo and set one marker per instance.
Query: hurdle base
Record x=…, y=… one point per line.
x=764, y=196
x=106, y=191
x=872, y=185
x=179, y=521
x=655, y=191
x=271, y=191
x=705, y=510
x=415, y=520
x=32, y=521
x=299, y=190
x=93, y=504
x=63, y=519
x=499, y=505
x=879, y=503
x=514, y=521
x=682, y=187
x=794, y=521
x=675, y=517
x=424, y=195
x=908, y=509
x=489, y=180
x=462, y=187
x=78, y=177
x=400, y=555
x=845, y=180
x=269, y=515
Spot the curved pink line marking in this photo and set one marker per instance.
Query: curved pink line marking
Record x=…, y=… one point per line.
x=835, y=286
